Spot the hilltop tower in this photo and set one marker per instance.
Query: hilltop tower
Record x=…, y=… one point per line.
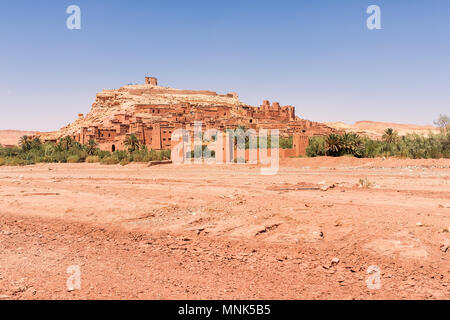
x=151, y=80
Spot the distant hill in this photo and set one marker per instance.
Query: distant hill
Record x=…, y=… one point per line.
x=374, y=130
x=371, y=129
x=11, y=137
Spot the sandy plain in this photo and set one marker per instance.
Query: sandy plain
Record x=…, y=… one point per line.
x=226, y=231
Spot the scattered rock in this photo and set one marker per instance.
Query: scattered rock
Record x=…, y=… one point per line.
x=267, y=228
x=445, y=205
x=419, y=224
x=318, y=235
x=445, y=247
x=334, y=261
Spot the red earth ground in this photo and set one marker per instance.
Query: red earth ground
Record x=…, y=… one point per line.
x=226, y=231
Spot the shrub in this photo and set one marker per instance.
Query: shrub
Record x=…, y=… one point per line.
x=316, y=147
x=73, y=159
x=92, y=159
x=286, y=142
x=124, y=162
x=103, y=154
x=109, y=160
x=17, y=162
x=120, y=155
x=365, y=183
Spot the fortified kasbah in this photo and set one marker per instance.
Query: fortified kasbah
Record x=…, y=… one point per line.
x=152, y=113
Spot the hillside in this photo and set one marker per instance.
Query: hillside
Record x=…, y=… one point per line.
x=374, y=130
x=11, y=137
x=153, y=112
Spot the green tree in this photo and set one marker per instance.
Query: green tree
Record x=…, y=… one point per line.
x=91, y=147
x=316, y=147
x=66, y=143
x=443, y=121
x=333, y=144
x=132, y=142
x=390, y=136
x=36, y=143
x=351, y=143
x=25, y=143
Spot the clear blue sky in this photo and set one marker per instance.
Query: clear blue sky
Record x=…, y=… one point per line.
x=317, y=55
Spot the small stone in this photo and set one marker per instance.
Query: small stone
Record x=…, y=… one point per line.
x=419, y=224
x=334, y=261
x=318, y=234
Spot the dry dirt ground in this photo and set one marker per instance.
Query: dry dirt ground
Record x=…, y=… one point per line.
x=226, y=231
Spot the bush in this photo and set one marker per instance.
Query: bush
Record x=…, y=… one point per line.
x=103, y=154
x=73, y=159
x=286, y=143
x=124, y=162
x=120, y=155
x=365, y=183
x=316, y=147
x=93, y=159
x=68, y=150
x=412, y=146
x=17, y=162
x=109, y=160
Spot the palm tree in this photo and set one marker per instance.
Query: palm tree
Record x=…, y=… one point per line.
x=66, y=143
x=350, y=143
x=25, y=143
x=35, y=143
x=333, y=143
x=91, y=147
x=132, y=142
x=390, y=135
x=347, y=143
